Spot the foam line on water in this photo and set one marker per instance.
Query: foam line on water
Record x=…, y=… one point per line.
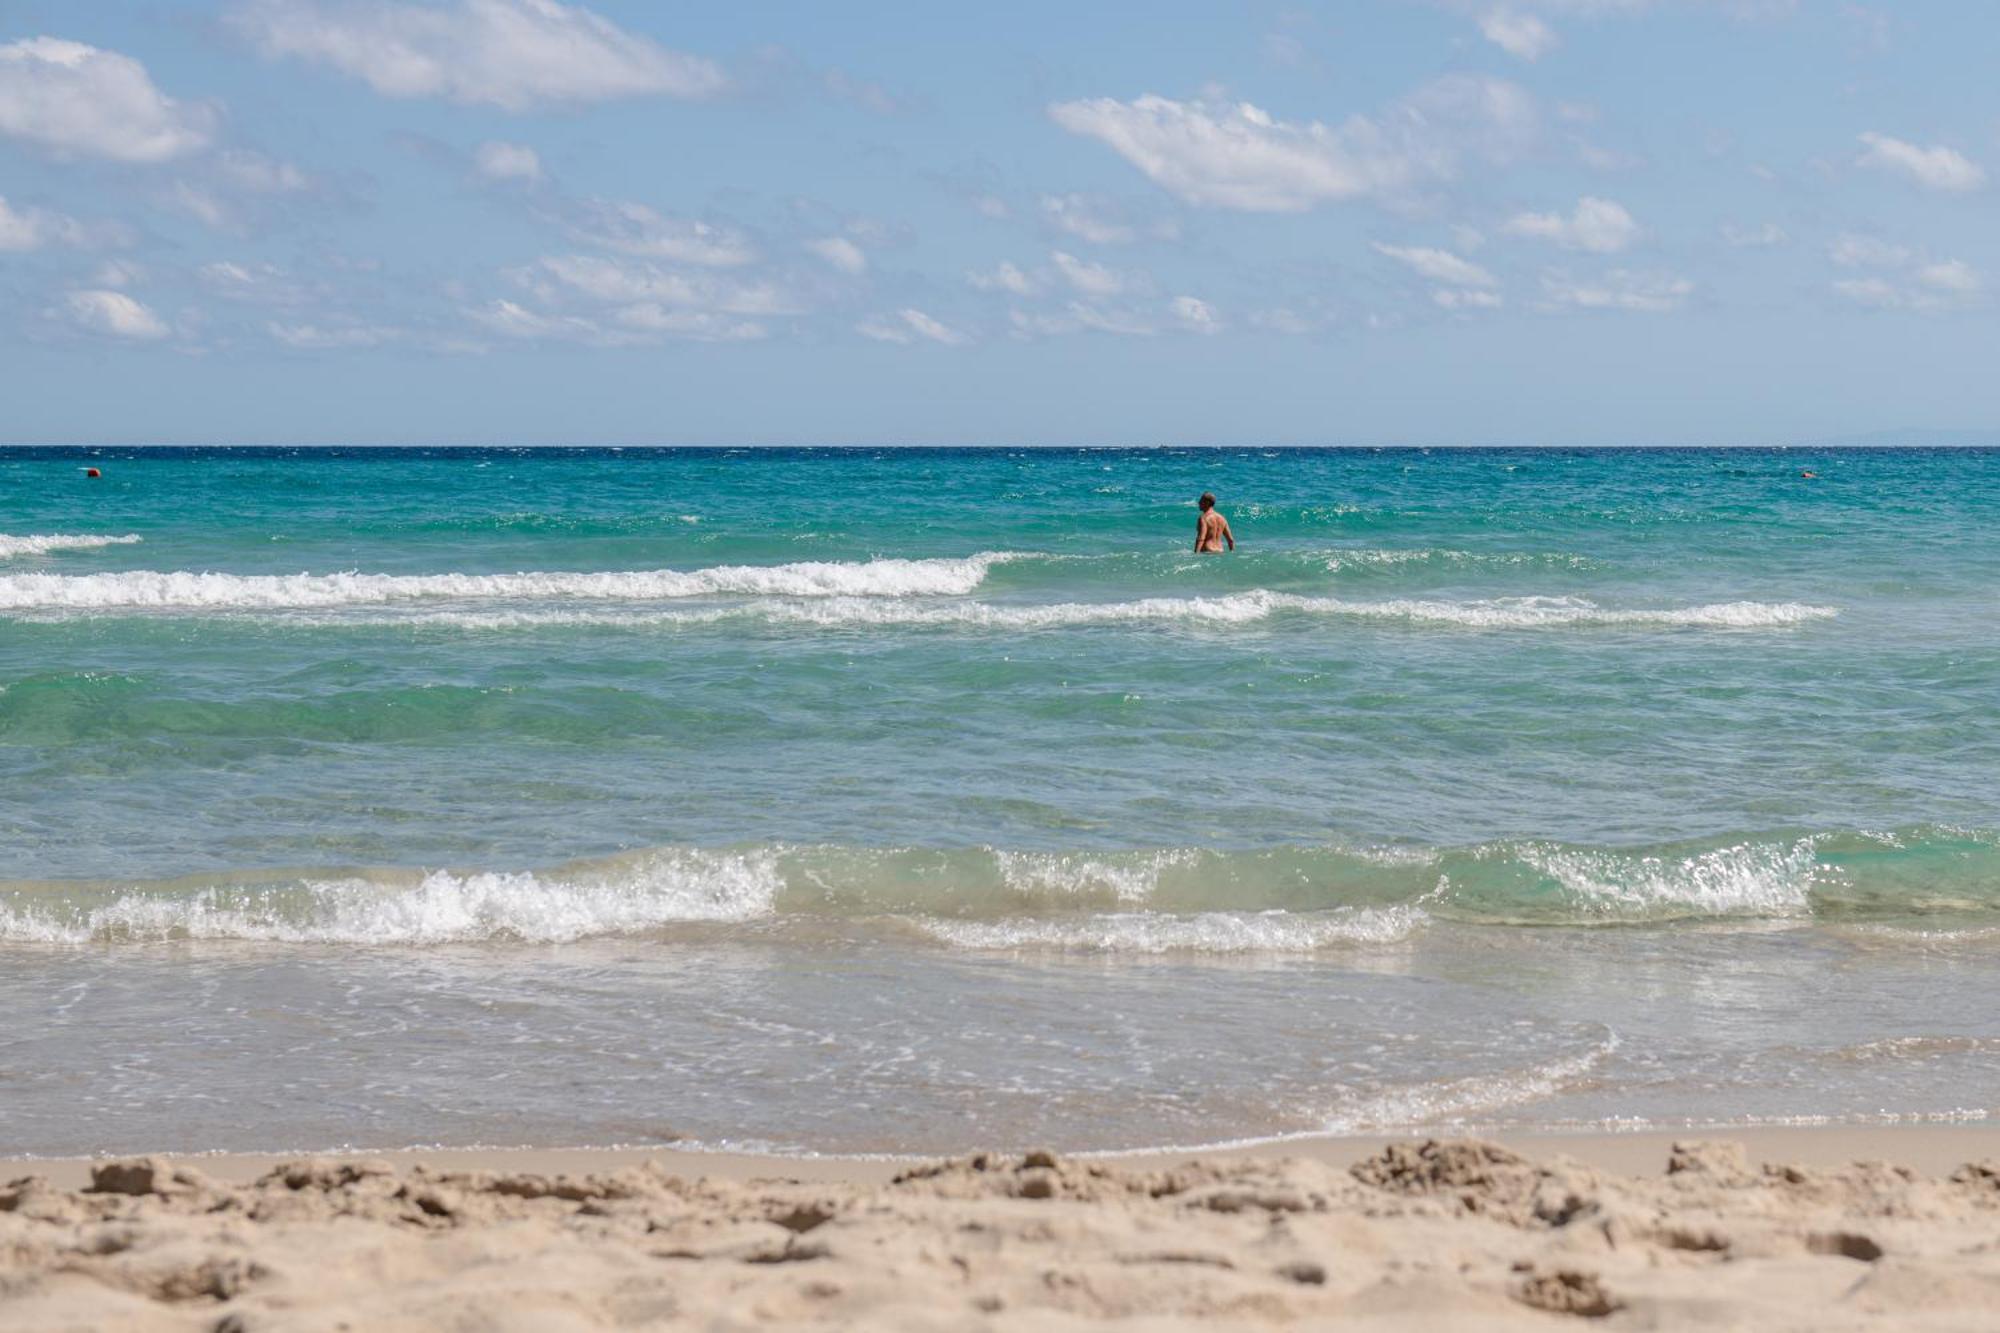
x=1200, y=932
x=186, y=589
x=44, y=543
x=1920, y=881
x=664, y=888
x=1244, y=608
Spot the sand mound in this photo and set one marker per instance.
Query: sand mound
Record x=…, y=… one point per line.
x=1432, y=1235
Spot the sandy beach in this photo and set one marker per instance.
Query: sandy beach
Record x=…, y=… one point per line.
x=1893, y=1228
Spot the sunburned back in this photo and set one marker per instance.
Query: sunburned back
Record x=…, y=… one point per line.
x=1211, y=531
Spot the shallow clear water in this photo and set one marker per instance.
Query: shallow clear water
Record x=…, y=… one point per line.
x=843, y=800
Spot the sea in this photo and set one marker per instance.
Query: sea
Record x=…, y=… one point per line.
x=861, y=801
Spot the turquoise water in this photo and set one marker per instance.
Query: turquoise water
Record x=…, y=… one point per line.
x=977, y=727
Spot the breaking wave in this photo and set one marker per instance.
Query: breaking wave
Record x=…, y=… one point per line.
x=181, y=589
x=1163, y=900
x=1244, y=608
x=42, y=544
x=658, y=889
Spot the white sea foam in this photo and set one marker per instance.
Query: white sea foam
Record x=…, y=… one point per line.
x=42, y=544
x=664, y=888
x=181, y=589
x=1746, y=879
x=1373, y=558
x=1130, y=880
x=1232, y=609
x=1457, y=1100
x=1199, y=932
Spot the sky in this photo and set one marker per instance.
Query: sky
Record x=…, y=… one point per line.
x=1440, y=222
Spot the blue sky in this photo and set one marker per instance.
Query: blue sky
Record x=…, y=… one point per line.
x=1427, y=221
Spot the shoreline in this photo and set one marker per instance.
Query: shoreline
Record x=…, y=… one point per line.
x=1932, y=1148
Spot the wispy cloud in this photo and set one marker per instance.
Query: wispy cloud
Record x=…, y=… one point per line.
x=1598, y=226
x=841, y=253
x=114, y=315
x=907, y=326
x=25, y=228
x=497, y=160
x=1619, y=289
x=512, y=54
x=1439, y=265
x=1934, y=168
x=1519, y=34
x=1236, y=155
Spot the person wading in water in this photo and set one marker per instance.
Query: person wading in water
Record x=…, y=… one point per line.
x=1211, y=530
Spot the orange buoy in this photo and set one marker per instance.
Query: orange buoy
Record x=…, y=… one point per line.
x=92, y=472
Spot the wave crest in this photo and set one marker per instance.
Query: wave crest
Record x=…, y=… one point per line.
x=182, y=589
x=662, y=888
x=43, y=543
x=1185, y=899
x=1244, y=608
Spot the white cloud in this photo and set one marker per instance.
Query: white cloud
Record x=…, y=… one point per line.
x=908, y=326
x=118, y=273
x=867, y=95
x=1238, y=156
x=1620, y=289
x=200, y=204
x=33, y=228
x=254, y=173
x=517, y=321
x=931, y=329
x=1461, y=298
x=1186, y=314
x=230, y=189
x=695, y=325
x=1950, y=284
x=1878, y=292
x=1440, y=265
x=1909, y=281
x=1935, y=168
x=77, y=100
x=511, y=54
x=256, y=283
x=1522, y=35
x=1599, y=226
x=625, y=326
x=1851, y=251
x=498, y=160
x=840, y=252
x=228, y=274
x=318, y=337
x=1084, y=219
x=1005, y=278
x=1080, y=317
x=635, y=229
x=1598, y=158
x=1283, y=319
x=114, y=314
x=617, y=282
x=1761, y=237
x=1195, y=315
x=1953, y=276
x=1088, y=278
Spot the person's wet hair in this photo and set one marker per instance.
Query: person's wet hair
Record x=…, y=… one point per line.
x=1207, y=500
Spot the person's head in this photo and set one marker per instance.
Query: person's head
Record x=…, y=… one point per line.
x=1207, y=501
